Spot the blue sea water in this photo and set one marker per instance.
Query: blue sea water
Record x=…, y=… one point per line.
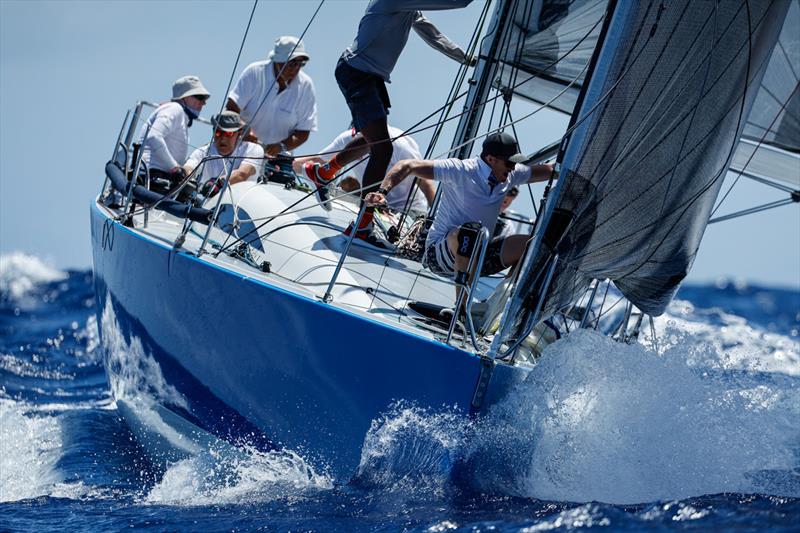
x=700, y=431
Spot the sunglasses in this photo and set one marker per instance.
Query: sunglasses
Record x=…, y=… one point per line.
x=201, y=97
x=220, y=133
x=297, y=63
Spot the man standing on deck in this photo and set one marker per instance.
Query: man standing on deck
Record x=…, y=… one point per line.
x=276, y=98
x=474, y=190
x=362, y=73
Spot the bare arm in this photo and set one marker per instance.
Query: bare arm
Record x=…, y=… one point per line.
x=419, y=167
x=242, y=173
x=540, y=173
x=232, y=106
x=295, y=139
x=428, y=189
x=297, y=163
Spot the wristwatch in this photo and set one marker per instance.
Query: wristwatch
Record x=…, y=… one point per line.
x=383, y=190
x=283, y=147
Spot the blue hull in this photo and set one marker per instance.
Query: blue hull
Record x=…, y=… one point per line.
x=259, y=364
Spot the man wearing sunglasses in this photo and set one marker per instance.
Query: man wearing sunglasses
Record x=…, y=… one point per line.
x=276, y=98
x=215, y=159
x=473, y=191
x=167, y=143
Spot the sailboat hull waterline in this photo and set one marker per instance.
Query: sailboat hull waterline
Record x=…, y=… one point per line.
x=253, y=363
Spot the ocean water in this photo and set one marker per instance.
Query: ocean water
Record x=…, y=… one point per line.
x=697, y=431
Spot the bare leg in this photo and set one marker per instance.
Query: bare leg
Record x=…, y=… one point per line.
x=357, y=148
x=377, y=134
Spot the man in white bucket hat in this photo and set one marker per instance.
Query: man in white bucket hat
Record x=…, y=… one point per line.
x=167, y=142
x=276, y=98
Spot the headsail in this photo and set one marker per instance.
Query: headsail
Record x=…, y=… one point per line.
x=549, y=45
x=657, y=127
x=774, y=121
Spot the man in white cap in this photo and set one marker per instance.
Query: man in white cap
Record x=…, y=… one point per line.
x=276, y=98
x=216, y=159
x=167, y=142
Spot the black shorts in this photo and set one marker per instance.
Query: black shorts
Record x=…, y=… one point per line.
x=365, y=94
x=439, y=260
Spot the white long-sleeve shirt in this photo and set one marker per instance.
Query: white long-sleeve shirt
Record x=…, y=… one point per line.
x=167, y=142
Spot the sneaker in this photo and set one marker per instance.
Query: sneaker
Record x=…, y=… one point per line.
x=367, y=239
x=321, y=193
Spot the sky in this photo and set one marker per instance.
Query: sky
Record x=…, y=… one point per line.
x=69, y=70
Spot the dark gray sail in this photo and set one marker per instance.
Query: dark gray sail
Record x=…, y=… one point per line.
x=658, y=123
x=548, y=48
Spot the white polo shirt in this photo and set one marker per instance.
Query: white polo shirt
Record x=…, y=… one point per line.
x=404, y=147
x=294, y=108
x=467, y=197
x=168, y=140
x=246, y=153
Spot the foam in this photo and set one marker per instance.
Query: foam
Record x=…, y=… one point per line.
x=22, y=274
x=604, y=421
x=724, y=341
x=217, y=477
x=132, y=373
x=598, y=420
x=29, y=451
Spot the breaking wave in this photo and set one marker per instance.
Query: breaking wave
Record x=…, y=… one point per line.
x=21, y=275
x=598, y=420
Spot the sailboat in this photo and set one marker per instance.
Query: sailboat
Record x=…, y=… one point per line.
x=251, y=320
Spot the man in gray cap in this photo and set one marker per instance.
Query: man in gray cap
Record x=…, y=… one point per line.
x=167, y=142
x=473, y=191
x=215, y=160
x=276, y=98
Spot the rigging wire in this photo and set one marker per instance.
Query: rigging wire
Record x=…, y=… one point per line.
x=413, y=130
x=238, y=56
x=758, y=145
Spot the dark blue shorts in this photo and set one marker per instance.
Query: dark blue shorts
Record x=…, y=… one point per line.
x=365, y=94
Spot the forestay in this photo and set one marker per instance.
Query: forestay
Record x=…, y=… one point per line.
x=656, y=129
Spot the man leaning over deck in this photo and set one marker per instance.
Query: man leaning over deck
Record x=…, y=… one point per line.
x=473, y=192
x=276, y=98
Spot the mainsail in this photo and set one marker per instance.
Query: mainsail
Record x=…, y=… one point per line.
x=656, y=128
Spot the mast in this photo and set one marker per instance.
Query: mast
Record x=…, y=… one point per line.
x=481, y=82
